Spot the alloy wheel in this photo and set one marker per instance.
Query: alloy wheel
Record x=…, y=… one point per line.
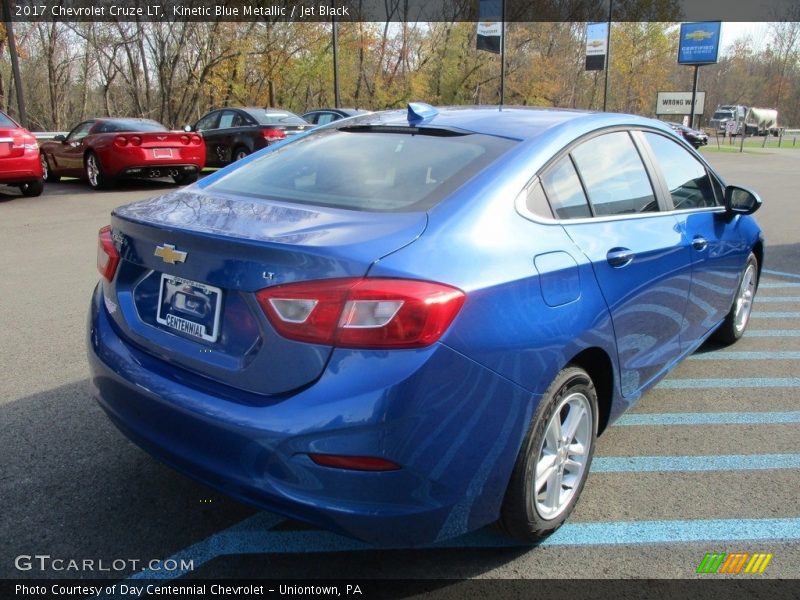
x=744, y=298
x=92, y=170
x=563, y=455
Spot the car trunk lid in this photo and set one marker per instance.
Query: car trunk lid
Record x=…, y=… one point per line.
x=192, y=262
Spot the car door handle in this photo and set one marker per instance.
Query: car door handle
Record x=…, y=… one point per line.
x=619, y=257
x=699, y=243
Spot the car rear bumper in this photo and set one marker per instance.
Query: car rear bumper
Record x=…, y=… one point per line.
x=453, y=426
x=24, y=170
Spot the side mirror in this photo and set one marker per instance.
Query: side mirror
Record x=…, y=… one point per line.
x=188, y=128
x=59, y=138
x=741, y=201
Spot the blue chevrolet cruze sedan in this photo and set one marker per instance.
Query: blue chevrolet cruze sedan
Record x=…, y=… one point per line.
x=408, y=325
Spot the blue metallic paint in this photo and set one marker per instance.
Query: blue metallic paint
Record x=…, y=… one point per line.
x=243, y=415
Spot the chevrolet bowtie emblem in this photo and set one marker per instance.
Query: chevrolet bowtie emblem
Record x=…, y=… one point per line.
x=169, y=255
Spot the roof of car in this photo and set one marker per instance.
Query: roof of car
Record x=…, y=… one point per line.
x=344, y=111
x=516, y=122
x=266, y=110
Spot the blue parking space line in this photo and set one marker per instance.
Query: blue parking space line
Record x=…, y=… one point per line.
x=731, y=462
x=724, y=418
x=761, y=314
x=777, y=286
x=776, y=299
x=751, y=382
x=719, y=355
x=781, y=273
x=772, y=333
x=228, y=541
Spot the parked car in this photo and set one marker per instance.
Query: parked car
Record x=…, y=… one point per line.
x=323, y=116
x=695, y=137
x=19, y=158
x=106, y=149
x=416, y=323
x=230, y=134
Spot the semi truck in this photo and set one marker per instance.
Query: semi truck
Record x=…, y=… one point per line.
x=761, y=121
x=729, y=113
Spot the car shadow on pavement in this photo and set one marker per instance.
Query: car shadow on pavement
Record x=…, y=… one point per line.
x=75, y=488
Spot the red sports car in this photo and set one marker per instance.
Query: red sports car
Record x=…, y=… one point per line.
x=104, y=150
x=19, y=157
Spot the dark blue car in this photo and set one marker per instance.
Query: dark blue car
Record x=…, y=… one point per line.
x=411, y=324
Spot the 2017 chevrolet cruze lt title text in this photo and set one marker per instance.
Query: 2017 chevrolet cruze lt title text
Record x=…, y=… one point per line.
x=407, y=325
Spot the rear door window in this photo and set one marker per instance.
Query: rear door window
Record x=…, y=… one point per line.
x=614, y=175
x=230, y=118
x=564, y=191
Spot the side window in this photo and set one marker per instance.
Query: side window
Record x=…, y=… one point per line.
x=325, y=118
x=719, y=190
x=534, y=200
x=230, y=119
x=207, y=122
x=563, y=189
x=614, y=175
x=80, y=132
x=687, y=179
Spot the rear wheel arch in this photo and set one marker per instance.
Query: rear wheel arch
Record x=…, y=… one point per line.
x=597, y=363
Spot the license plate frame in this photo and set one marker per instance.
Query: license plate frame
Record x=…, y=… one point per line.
x=162, y=152
x=189, y=307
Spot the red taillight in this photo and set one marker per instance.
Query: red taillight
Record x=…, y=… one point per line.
x=107, y=255
x=136, y=140
x=272, y=135
x=362, y=313
x=185, y=140
x=197, y=140
x=355, y=463
x=31, y=144
x=120, y=141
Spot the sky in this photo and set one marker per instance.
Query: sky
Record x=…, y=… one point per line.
x=733, y=31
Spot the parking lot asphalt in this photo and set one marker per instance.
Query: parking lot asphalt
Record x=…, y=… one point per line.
x=708, y=461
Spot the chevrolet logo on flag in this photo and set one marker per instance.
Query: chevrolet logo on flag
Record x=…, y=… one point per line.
x=168, y=254
x=733, y=564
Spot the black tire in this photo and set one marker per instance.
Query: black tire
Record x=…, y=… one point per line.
x=522, y=515
x=185, y=178
x=95, y=175
x=32, y=188
x=735, y=323
x=239, y=153
x=47, y=172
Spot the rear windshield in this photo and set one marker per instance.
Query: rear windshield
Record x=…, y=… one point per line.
x=276, y=118
x=366, y=170
x=7, y=122
x=129, y=125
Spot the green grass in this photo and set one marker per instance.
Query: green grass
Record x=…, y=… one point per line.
x=754, y=143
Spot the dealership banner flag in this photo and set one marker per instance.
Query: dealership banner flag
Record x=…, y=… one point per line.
x=490, y=25
x=596, y=46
